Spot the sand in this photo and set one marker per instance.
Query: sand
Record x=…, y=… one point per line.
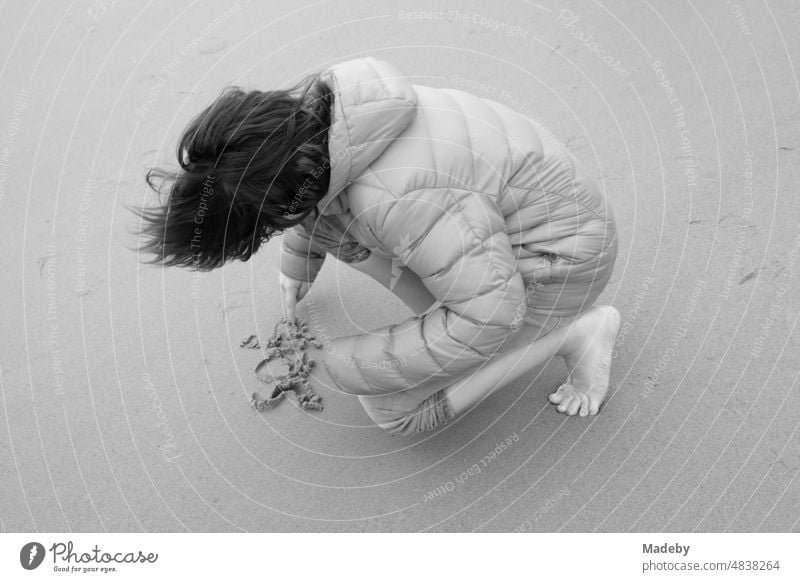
x=124, y=394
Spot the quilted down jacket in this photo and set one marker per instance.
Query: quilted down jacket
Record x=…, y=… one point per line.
x=458, y=188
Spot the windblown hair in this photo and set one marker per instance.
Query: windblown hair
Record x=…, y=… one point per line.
x=251, y=165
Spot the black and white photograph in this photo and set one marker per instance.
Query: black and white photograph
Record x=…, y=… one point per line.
x=403, y=266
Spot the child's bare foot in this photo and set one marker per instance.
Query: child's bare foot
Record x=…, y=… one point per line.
x=589, y=345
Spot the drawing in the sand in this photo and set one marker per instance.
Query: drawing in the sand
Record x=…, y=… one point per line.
x=286, y=365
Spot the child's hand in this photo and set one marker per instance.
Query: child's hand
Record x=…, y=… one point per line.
x=292, y=291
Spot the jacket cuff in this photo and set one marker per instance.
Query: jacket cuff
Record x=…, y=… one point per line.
x=301, y=268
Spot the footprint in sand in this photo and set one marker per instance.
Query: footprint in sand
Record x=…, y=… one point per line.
x=212, y=45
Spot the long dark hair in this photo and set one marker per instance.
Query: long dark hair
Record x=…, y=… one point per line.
x=251, y=165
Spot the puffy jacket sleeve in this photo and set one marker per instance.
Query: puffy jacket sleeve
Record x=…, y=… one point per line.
x=455, y=241
x=300, y=258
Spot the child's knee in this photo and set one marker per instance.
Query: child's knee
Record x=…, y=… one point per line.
x=432, y=412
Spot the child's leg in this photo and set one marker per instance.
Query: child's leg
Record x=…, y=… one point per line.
x=585, y=344
x=399, y=280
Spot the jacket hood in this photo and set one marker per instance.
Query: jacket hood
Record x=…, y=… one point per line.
x=373, y=104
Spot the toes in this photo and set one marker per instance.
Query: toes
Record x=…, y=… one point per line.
x=584, y=411
x=568, y=403
x=565, y=399
x=559, y=395
x=571, y=401
x=574, y=405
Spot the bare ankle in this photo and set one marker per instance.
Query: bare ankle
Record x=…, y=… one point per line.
x=573, y=338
